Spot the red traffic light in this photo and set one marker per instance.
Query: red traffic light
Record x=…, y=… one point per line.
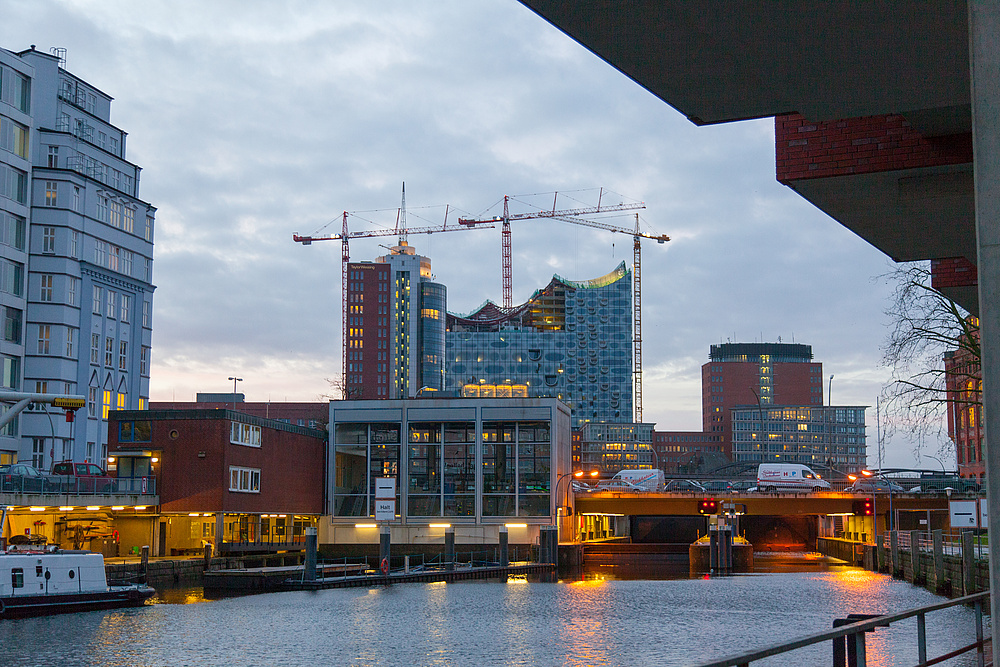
x=708, y=506
x=862, y=507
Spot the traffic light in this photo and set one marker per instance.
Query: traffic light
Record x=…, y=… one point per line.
x=708, y=506
x=862, y=507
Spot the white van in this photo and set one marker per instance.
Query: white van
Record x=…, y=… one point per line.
x=789, y=477
x=634, y=480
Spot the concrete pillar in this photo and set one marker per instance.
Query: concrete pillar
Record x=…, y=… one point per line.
x=384, y=545
x=713, y=550
x=311, y=544
x=984, y=75
x=895, y=568
x=880, y=565
x=504, y=547
x=219, y=528
x=208, y=557
x=939, y=584
x=968, y=563
x=915, y=556
x=449, y=548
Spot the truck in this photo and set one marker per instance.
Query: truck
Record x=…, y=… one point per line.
x=634, y=480
x=789, y=477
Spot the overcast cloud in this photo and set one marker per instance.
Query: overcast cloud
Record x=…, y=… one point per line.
x=254, y=120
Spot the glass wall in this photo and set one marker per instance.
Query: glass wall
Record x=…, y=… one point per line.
x=441, y=467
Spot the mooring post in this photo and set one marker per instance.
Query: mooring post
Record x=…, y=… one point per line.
x=915, y=556
x=309, y=573
x=145, y=563
x=449, y=548
x=384, y=549
x=938, y=537
x=713, y=550
x=968, y=562
x=504, y=547
x=895, y=567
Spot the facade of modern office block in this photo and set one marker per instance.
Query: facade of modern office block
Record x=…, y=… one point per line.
x=818, y=435
x=473, y=464
x=76, y=252
x=572, y=340
x=395, y=327
x=762, y=374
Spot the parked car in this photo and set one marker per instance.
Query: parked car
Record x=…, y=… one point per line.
x=22, y=478
x=73, y=477
x=744, y=486
x=684, y=486
x=876, y=485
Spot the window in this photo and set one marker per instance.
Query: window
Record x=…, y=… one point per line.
x=11, y=372
x=11, y=277
x=146, y=319
x=109, y=352
x=12, y=230
x=127, y=262
x=244, y=480
x=112, y=310
x=144, y=361
x=115, y=212
x=122, y=355
x=14, y=137
x=41, y=387
x=114, y=262
x=128, y=221
x=140, y=431
x=98, y=299
x=17, y=577
x=44, y=334
x=126, y=307
x=54, y=157
x=245, y=434
x=48, y=239
x=12, y=318
x=100, y=253
x=14, y=184
x=51, y=192
x=107, y=404
x=103, y=204
x=38, y=452
x=148, y=269
x=76, y=201
x=95, y=348
x=46, y=289
x=148, y=232
x=92, y=402
x=70, y=341
x=122, y=400
x=71, y=287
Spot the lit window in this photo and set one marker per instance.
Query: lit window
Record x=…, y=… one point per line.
x=51, y=189
x=44, y=333
x=107, y=404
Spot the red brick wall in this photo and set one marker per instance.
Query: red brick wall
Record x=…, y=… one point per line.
x=806, y=149
x=953, y=272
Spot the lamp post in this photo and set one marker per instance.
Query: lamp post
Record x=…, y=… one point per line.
x=940, y=462
x=577, y=474
x=235, y=380
x=829, y=393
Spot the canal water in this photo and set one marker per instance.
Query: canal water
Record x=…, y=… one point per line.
x=603, y=617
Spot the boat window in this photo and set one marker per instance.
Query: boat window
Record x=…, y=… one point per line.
x=17, y=577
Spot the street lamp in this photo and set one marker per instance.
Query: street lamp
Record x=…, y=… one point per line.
x=940, y=462
x=235, y=380
x=829, y=393
x=577, y=474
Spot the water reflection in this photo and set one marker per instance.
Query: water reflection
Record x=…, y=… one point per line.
x=598, y=618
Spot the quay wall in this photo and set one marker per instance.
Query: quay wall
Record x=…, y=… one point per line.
x=166, y=572
x=943, y=568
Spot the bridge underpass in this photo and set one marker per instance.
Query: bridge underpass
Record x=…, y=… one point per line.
x=772, y=522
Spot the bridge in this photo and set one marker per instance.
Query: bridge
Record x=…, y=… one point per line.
x=771, y=522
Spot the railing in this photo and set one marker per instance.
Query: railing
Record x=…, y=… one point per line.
x=78, y=486
x=853, y=635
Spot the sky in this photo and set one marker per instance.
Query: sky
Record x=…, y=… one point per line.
x=253, y=120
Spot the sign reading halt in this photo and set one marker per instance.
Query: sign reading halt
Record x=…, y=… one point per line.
x=385, y=498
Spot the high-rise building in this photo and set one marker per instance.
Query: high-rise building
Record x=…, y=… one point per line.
x=761, y=374
x=395, y=327
x=572, y=340
x=76, y=252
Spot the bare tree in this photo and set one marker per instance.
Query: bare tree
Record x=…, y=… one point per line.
x=924, y=325
x=339, y=390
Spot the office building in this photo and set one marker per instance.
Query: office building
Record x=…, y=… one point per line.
x=76, y=251
x=762, y=374
x=815, y=435
x=572, y=340
x=395, y=327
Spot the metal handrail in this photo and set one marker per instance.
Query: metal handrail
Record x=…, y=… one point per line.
x=858, y=629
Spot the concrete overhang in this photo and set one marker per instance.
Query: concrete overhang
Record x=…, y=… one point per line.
x=723, y=62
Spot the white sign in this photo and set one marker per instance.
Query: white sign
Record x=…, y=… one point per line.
x=963, y=513
x=984, y=517
x=385, y=488
x=385, y=510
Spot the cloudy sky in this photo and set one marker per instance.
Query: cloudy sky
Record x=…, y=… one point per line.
x=255, y=119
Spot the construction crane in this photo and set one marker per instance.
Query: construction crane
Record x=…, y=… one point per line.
x=569, y=216
x=345, y=255
x=508, y=301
